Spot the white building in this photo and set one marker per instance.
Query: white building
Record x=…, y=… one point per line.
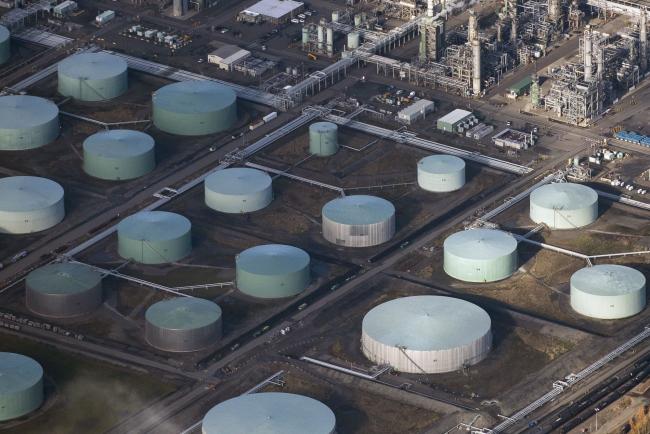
x=274, y=11
x=227, y=56
x=418, y=110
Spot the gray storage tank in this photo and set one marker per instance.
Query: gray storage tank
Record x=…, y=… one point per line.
x=29, y=204
x=27, y=122
x=358, y=221
x=119, y=154
x=194, y=108
x=63, y=290
x=154, y=237
x=564, y=205
x=323, y=139
x=5, y=44
x=441, y=173
x=183, y=324
x=238, y=190
x=93, y=76
x=270, y=413
x=21, y=385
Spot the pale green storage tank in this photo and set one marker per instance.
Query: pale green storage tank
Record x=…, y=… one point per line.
x=119, y=154
x=480, y=255
x=194, y=108
x=273, y=271
x=21, y=385
x=27, y=122
x=93, y=76
x=441, y=173
x=30, y=204
x=564, y=205
x=5, y=44
x=238, y=190
x=154, y=237
x=323, y=139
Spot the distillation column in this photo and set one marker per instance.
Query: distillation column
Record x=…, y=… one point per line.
x=555, y=11
x=330, y=41
x=588, y=53
x=321, y=37
x=472, y=26
x=643, y=41
x=476, y=66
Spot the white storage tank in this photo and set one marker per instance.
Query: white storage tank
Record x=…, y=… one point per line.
x=608, y=291
x=238, y=190
x=27, y=122
x=441, y=173
x=564, y=205
x=358, y=221
x=426, y=334
x=119, y=154
x=353, y=40
x=480, y=255
x=92, y=76
x=29, y=204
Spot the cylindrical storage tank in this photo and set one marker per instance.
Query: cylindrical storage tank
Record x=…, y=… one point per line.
x=29, y=204
x=183, y=324
x=272, y=271
x=238, y=190
x=27, y=122
x=5, y=44
x=564, y=205
x=119, y=154
x=353, y=40
x=63, y=290
x=154, y=237
x=441, y=173
x=426, y=334
x=21, y=385
x=323, y=139
x=358, y=221
x=608, y=291
x=93, y=76
x=480, y=255
x=270, y=413
x=194, y=108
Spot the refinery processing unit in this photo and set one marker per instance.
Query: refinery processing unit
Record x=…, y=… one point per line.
x=352, y=217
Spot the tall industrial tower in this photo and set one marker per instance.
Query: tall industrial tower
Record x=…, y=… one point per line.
x=432, y=36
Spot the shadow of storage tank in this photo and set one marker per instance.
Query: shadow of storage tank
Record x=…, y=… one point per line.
x=93, y=76
x=270, y=413
x=27, y=122
x=273, y=271
x=358, y=221
x=29, y=204
x=564, y=205
x=441, y=173
x=21, y=385
x=194, y=108
x=183, y=324
x=5, y=44
x=63, y=290
x=154, y=237
x=119, y=154
x=238, y=190
x=323, y=139
x=480, y=255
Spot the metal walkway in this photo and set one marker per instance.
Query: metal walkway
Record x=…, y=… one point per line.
x=284, y=173
x=624, y=200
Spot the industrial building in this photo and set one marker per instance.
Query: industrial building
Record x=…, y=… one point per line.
x=608, y=291
x=441, y=173
x=564, y=205
x=514, y=139
x=183, y=324
x=64, y=9
x=27, y=122
x=5, y=44
x=63, y=290
x=154, y=237
x=358, y=221
x=480, y=255
x=29, y=204
x=323, y=139
x=273, y=271
x=273, y=11
x=21, y=385
x=119, y=154
x=270, y=412
x=92, y=76
x=416, y=111
x=520, y=87
x=456, y=121
x=426, y=334
x=238, y=190
x=194, y=108
x=227, y=56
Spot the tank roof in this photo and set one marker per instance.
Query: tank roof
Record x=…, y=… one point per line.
x=63, y=278
x=480, y=244
x=28, y=193
x=119, y=144
x=194, y=97
x=24, y=111
x=18, y=373
x=273, y=259
x=4, y=33
x=358, y=210
x=154, y=226
x=323, y=127
x=92, y=66
x=238, y=180
x=564, y=196
x=269, y=413
x=426, y=323
x=441, y=164
x=608, y=280
x=183, y=313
